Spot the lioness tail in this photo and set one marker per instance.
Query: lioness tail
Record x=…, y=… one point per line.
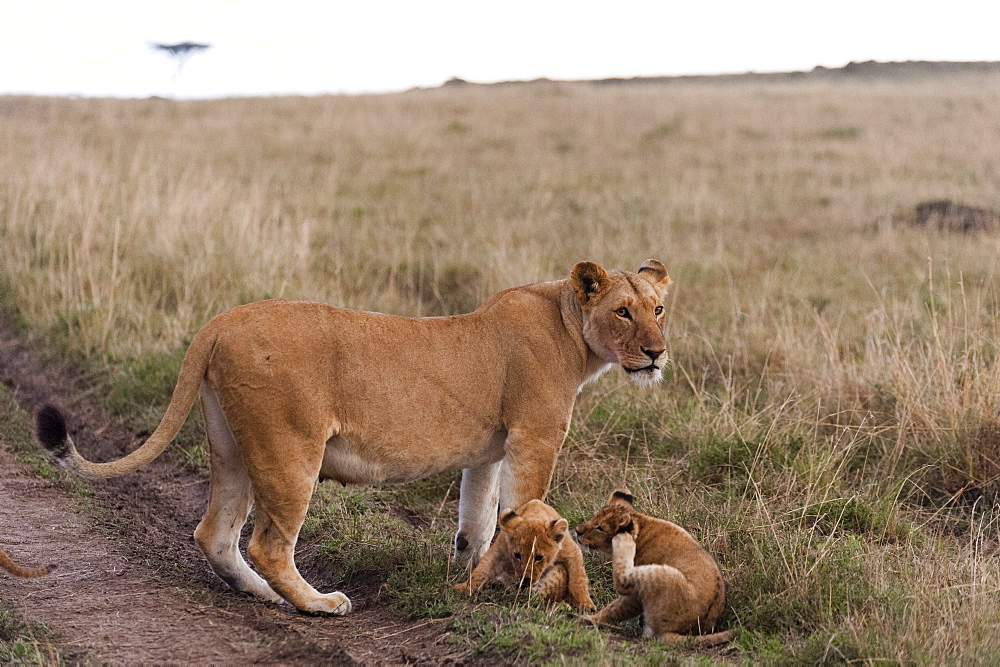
x=50, y=425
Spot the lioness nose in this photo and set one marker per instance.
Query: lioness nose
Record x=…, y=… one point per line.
x=653, y=354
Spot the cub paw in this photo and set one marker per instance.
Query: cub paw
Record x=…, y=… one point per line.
x=622, y=538
x=333, y=604
x=464, y=588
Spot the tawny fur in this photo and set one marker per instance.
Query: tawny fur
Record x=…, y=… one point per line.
x=660, y=571
x=293, y=392
x=534, y=547
x=8, y=564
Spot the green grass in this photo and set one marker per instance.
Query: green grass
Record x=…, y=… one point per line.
x=24, y=643
x=15, y=429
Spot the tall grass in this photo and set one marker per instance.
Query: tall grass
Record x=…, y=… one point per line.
x=829, y=425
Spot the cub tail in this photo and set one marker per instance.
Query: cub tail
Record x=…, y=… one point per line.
x=713, y=639
x=27, y=572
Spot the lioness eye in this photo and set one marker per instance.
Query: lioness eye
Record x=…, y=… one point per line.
x=622, y=312
x=658, y=310
x=517, y=556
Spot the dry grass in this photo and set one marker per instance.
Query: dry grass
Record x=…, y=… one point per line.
x=830, y=424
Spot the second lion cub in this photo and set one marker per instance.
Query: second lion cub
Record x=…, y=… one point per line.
x=660, y=571
x=534, y=547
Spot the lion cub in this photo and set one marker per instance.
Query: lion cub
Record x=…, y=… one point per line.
x=534, y=546
x=8, y=564
x=660, y=571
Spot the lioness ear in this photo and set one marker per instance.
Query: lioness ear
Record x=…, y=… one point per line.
x=654, y=271
x=558, y=529
x=507, y=517
x=621, y=496
x=588, y=280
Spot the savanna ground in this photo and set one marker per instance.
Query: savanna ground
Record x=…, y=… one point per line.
x=829, y=425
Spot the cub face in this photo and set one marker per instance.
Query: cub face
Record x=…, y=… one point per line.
x=533, y=544
x=623, y=316
x=613, y=518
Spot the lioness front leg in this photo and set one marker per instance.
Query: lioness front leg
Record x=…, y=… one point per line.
x=527, y=468
x=490, y=568
x=477, y=512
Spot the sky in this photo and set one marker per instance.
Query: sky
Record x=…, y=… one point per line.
x=103, y=47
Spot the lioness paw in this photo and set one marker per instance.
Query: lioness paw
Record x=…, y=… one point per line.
x=335, y=604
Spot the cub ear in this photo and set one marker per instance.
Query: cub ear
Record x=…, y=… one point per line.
x=588, y=280
x=508, y=518
x=621, y=496
x=558, y=529
x=654, y=271
x=625, y=526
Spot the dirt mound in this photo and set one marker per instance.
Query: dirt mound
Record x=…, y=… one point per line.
x=947, y=216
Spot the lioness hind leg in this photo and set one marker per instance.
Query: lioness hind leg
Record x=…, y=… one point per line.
x=229, y=502
x=477, y=512
x=282, y=493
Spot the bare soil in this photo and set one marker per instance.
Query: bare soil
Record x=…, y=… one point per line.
x=131, y=586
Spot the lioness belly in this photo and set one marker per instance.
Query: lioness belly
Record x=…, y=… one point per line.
x=350, y=461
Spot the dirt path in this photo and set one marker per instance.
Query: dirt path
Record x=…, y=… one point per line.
x=131, y=586
x=100, y=601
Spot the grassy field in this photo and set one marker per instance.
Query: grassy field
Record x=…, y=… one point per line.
x=828, y=428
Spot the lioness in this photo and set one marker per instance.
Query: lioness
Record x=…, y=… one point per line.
x=534, y=547
x=8, y=564
x=659, y=571
x=293, y=392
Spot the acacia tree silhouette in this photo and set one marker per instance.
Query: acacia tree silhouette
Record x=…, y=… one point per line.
x=181, y=52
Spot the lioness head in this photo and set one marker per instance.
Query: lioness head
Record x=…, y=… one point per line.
x=623, y=316
x=533, y=541
x=613, y=518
